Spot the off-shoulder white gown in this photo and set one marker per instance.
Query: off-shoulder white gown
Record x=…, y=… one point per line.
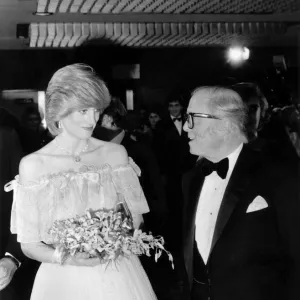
x=66, y=194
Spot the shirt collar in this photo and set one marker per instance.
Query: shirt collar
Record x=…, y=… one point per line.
x=233, y=156
x=172, y=117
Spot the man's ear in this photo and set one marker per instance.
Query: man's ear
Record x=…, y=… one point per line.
x=226, y=129
x=232, y=129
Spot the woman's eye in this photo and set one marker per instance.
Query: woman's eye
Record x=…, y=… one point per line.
x=83, y=111
x=97, y=110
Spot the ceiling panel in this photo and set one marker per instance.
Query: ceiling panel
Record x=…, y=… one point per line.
x=151, y=34
x=169, y=6
x=150, y=23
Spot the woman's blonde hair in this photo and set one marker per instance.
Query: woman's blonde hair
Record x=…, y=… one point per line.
x=73, y=88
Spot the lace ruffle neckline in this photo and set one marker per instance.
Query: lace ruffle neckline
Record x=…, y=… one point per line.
x=84, y=169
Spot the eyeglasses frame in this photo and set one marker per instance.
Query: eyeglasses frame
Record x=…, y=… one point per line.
x=198, y=115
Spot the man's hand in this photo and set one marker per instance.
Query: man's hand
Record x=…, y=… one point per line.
x=7, y=271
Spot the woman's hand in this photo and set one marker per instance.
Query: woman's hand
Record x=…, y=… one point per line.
x=83, y=260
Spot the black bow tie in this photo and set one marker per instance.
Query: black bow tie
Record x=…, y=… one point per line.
x=177, y=119
x=220, y=167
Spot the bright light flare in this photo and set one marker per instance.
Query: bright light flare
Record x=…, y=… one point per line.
x=238, y=54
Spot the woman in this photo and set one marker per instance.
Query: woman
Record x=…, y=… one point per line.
x=73, y=173
x=154, y=118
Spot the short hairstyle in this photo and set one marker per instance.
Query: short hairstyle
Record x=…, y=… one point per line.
x=9, y=120
x=172, y=100
x=175, y=97
x=72, y=88
x=226, y=103
x=117, y=111
x=249, y=90
x=30, y=111
x=154, y=111
x=133, y=121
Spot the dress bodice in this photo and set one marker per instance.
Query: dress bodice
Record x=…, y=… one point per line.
x=69, y=193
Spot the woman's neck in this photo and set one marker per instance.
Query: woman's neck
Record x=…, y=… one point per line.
x=71, y=144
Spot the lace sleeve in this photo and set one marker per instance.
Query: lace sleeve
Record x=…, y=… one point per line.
x=127, y=184
x=26, y=215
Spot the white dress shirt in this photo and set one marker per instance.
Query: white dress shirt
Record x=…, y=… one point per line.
x=178, y=124
x=209, y=203
x=8, y=254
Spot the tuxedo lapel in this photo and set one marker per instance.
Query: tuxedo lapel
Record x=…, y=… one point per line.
x=236, y=187
x=171, y=124
x=174, y=128
x=192, y=185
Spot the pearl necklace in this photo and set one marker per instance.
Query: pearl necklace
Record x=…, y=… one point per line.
x=76, y=156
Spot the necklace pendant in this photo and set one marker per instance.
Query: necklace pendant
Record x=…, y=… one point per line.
x=77, y=158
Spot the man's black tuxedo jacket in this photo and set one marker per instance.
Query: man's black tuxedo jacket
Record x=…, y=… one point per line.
x=10, y=155
x=256, y=255
x=176, y=149
x=21, y=285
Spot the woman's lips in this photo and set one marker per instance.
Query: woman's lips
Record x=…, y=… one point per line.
x=88, y=128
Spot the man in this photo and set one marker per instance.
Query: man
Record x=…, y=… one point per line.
x=177, y=160
x=241, y=214
x=257, y=105
x=13, y=285
x=267, y=131
x=10, y=156
x=176, y=141
x=17, y=272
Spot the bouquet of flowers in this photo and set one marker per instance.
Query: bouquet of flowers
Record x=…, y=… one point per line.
x=106, y=234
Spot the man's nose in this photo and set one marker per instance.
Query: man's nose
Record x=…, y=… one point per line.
x=186, y=127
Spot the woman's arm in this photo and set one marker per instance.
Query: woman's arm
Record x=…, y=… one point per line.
x=39, y=251
x=47, y=254
x=137, y=221
x=117, y=155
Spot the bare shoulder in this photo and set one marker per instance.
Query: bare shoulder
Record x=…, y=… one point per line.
x=30, y=168
x=114, y=154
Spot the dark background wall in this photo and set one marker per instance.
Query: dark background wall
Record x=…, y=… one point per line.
x=163, y=72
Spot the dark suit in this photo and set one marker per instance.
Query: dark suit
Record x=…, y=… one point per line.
x=10, y=155
x=21, y=285
x=176, y=149
x=177, y=160
x=256, y=255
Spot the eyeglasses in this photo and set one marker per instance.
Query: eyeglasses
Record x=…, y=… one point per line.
x=189, y=118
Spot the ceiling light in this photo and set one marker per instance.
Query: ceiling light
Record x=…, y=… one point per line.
x=238, y=54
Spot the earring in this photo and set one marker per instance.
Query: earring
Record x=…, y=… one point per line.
x=59, y=124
